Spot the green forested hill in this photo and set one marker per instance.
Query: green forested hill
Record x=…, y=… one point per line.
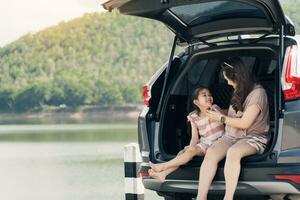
x=291, y=9
x=99, y=59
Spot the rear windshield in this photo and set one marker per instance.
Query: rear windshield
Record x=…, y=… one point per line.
x=196, y=14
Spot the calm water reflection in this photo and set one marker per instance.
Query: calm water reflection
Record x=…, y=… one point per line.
x=64, y=162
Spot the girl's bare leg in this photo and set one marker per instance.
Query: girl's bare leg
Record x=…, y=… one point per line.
x=233, y=166
x=181, y=159
x=209, y=166
x=161, y=176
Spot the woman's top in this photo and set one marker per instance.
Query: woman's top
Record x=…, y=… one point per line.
x=261, y=125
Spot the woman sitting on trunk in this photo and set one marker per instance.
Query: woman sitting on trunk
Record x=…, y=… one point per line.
x=246, y=128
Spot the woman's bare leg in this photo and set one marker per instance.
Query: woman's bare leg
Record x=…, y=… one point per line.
x=209, y=166
x=233, y=165
x=181, y=159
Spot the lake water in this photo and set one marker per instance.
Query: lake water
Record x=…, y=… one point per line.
x=65, y=161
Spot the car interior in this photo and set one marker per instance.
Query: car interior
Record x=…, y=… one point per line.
x=204, y=70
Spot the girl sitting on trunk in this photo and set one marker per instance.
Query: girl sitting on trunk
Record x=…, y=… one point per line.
x=204, y=133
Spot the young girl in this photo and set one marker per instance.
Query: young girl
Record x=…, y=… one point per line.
x=208, y=131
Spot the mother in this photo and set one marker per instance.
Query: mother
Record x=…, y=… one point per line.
x=246, y=131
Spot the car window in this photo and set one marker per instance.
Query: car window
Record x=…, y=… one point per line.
x=272, y=67
x=196, y=14
x=266, y=68
x=196, y=71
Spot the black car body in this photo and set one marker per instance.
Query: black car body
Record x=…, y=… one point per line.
x=212, y=30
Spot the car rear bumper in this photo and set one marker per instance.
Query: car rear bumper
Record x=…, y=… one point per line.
x=218, y=187
x=255, y=179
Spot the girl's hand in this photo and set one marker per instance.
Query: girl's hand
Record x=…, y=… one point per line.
x=214, y=115
x=186, y=147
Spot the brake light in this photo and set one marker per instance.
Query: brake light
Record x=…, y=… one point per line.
x=146, y=95
x=144, y=174
x=293, y=178
x=290, y=78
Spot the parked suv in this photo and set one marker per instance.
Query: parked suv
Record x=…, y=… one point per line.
x=213, y=30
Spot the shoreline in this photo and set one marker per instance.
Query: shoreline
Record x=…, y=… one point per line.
x=86, y=115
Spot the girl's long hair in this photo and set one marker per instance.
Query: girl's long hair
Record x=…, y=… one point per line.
x=235, y=69
x=195, y=95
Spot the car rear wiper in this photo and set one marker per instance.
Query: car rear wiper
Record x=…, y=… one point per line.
x=158, y=111
x=203, y=42
x=207, y=43
x=261, y=37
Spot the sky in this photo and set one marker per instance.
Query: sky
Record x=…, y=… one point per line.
x=18, y=17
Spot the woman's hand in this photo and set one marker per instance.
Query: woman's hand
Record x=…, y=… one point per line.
x=243, y=122
x=214, y=115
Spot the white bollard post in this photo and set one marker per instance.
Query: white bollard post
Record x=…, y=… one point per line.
x=134, y=188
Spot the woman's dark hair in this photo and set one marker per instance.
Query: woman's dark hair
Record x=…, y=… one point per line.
x=195, y=95
x=235, y=69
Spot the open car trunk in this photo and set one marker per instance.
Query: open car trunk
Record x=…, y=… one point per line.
x=199, y=21
x=203, y=69
x=206, y=19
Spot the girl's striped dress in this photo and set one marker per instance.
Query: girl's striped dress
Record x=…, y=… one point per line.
x=209, y=131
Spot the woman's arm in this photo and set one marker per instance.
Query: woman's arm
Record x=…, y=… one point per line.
x=217, y=108
x=244, y=122
x=224, y=111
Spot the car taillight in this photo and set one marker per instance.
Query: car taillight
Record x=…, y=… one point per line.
x=146, y=95
x=144, y=174
x=290, y=78
x=293, y=178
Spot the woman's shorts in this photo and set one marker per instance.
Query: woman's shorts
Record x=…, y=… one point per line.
x=258, y=141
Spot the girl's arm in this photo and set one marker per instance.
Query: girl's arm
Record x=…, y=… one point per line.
x=194, y=138
x=244, y=122
x=195, y=135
